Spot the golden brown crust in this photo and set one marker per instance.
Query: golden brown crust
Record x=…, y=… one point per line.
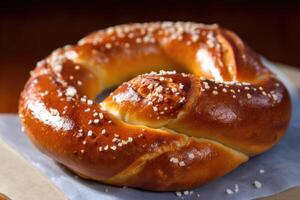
x=150, y=100
x=159, y=131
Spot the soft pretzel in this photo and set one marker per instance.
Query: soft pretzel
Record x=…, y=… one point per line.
x=164, y=130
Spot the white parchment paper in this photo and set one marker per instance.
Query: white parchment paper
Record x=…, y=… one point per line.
x=281, y=165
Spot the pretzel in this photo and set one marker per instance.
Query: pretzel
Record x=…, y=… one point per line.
x=209, y=106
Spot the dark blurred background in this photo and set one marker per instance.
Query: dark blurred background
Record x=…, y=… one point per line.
x=30, y=30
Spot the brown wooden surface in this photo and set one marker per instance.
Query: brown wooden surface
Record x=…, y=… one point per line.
x=19, y=180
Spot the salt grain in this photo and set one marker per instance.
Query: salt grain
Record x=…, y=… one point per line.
x=257, y=184
x=229, y=191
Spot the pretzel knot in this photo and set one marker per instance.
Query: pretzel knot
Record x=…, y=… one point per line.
x=210, y=105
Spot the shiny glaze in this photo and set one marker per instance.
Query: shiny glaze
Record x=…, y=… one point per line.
x=140, y=135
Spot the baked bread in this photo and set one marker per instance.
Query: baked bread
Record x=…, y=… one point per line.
x=210, y=105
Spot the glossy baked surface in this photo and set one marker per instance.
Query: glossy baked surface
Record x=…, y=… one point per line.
x=159, y=131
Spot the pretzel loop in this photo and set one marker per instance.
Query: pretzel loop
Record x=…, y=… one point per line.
x=209, y=106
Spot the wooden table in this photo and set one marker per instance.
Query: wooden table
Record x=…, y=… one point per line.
x=19, y=180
